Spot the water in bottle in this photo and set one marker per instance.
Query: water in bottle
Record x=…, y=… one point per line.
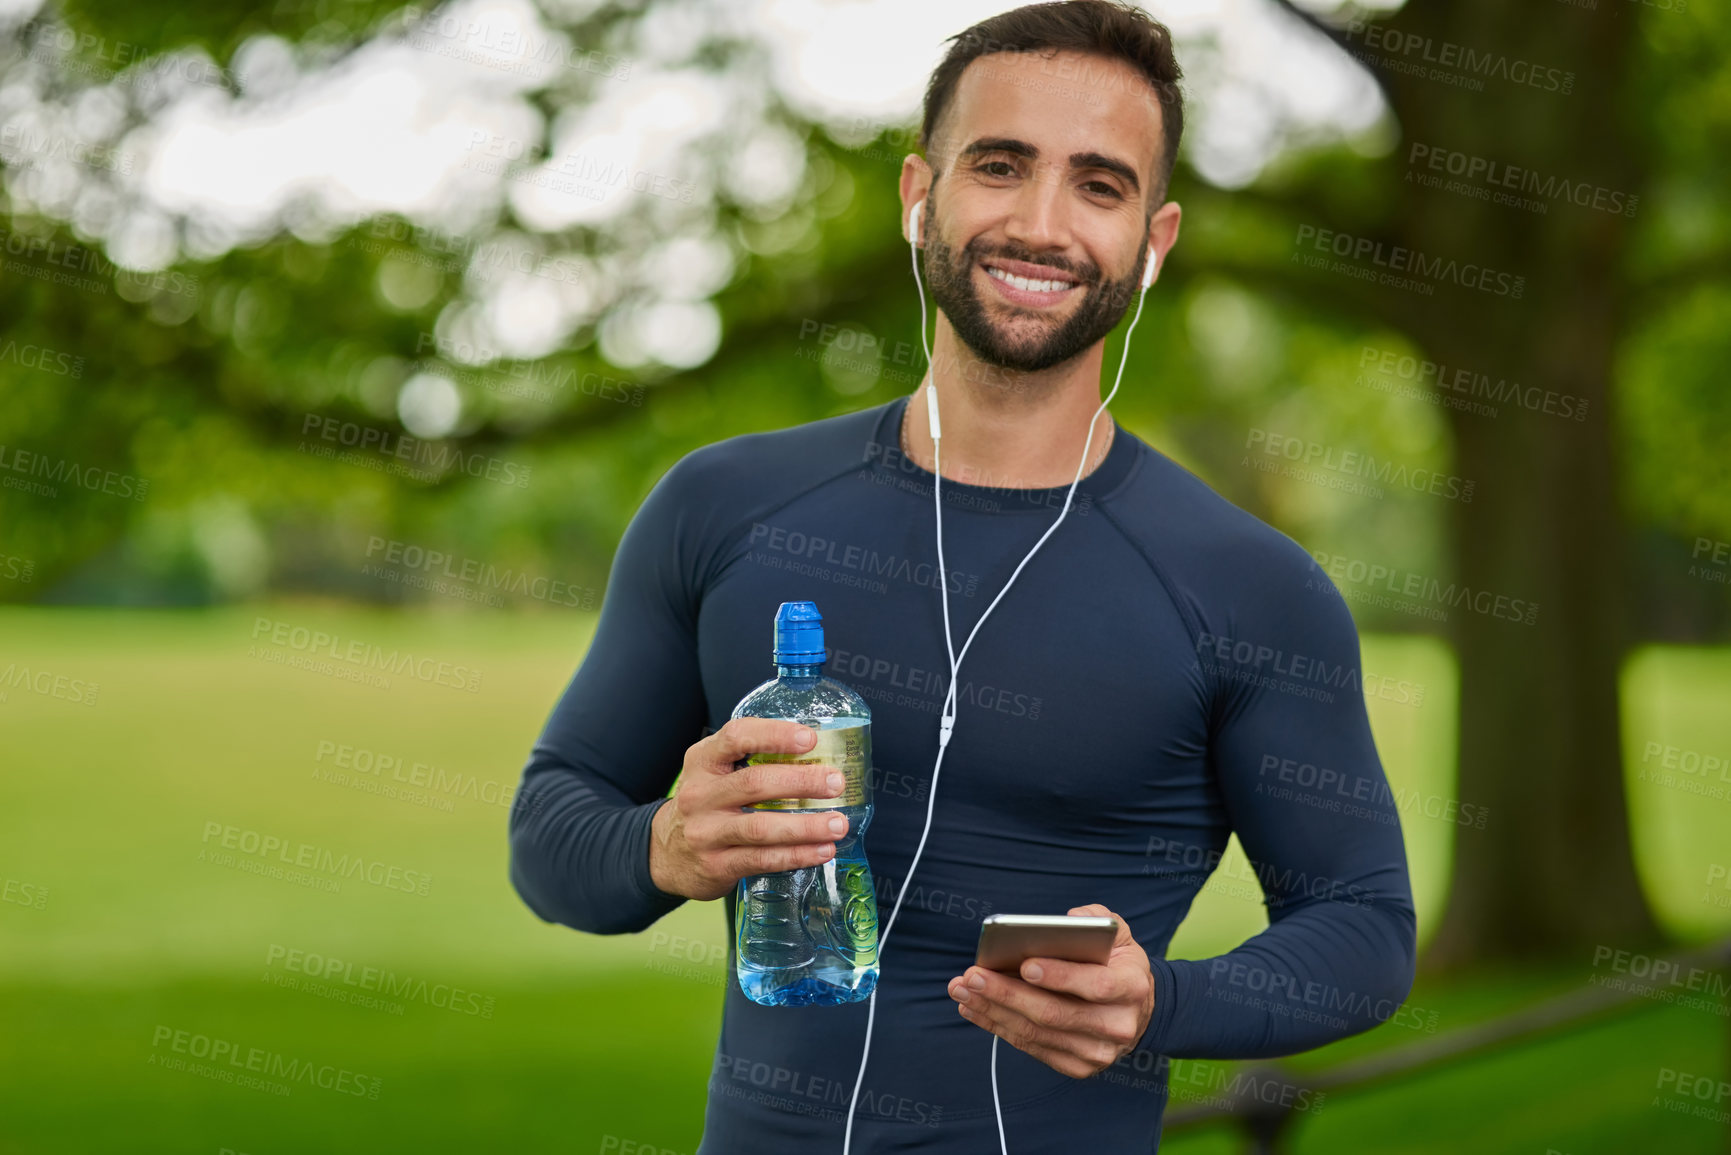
x=809, y=937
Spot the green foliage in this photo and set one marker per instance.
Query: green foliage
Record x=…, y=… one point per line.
x=1676, y=415
x=116, y=33
x=207, y=387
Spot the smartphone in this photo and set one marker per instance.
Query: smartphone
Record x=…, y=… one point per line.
x=1006, y=940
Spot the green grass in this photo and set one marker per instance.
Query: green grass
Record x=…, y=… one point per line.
x=557, y=1068
x=103, y=813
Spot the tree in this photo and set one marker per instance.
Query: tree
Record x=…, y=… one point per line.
x=1615, y=104
x=1540, y=744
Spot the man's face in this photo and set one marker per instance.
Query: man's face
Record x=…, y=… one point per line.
x=1036, y=226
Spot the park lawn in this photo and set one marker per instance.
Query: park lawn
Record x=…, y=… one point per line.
x=554, y=1069
x=107, y=809
x=624, y=1057
x=1677, y=763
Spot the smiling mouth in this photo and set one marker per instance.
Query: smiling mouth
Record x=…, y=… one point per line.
x=1028, y=284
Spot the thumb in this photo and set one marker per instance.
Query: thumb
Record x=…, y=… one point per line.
x=1123, y=936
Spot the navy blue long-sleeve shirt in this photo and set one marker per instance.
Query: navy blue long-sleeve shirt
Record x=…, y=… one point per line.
x=1166, y=671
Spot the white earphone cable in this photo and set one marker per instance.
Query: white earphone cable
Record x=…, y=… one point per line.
x=947, y=719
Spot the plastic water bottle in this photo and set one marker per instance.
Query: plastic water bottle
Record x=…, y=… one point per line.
x=809, y=937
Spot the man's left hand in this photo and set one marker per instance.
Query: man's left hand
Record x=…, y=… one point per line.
x=1077, y=1018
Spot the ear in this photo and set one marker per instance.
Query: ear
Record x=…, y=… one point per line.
x=913, y=187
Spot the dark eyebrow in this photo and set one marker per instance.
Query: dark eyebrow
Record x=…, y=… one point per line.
x=1077, y=159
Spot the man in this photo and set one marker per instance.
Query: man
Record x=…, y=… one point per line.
x=1166, y=671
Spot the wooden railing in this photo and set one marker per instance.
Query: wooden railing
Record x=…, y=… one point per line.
x=1268, y=1127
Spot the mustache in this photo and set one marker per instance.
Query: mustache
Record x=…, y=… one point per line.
x=1087, y=274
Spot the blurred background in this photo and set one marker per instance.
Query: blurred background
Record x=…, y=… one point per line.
x=340, y=340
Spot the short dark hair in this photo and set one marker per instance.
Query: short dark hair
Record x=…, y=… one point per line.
x=1103, y=28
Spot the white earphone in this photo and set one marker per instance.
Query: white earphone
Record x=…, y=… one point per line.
x=947, y=718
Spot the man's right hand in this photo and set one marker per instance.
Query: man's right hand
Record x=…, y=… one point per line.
x=701, y=843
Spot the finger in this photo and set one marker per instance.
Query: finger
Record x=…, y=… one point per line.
x=1059, y=1060
x=765, y=781
x=747, y=861
x=1089, y=981
x=743, y=736
x=1127, y=958
x=1122, y=936
x=1056, y=1012
x=1076, y=1055
x=770, y=828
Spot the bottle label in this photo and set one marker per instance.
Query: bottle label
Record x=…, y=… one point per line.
x=848, y=749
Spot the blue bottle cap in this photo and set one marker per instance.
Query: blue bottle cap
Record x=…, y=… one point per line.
x=798, y=634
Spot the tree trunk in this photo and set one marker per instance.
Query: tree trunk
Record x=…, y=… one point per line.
x=1552, y=873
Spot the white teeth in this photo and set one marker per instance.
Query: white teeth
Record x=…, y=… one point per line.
x=1025, y=284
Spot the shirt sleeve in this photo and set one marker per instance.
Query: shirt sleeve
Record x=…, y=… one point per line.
x=1291, y=747
x=616, y=740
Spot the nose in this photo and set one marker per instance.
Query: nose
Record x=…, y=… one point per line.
x=1039, y=219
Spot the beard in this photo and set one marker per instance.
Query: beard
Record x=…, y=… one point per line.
x=950, y=277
